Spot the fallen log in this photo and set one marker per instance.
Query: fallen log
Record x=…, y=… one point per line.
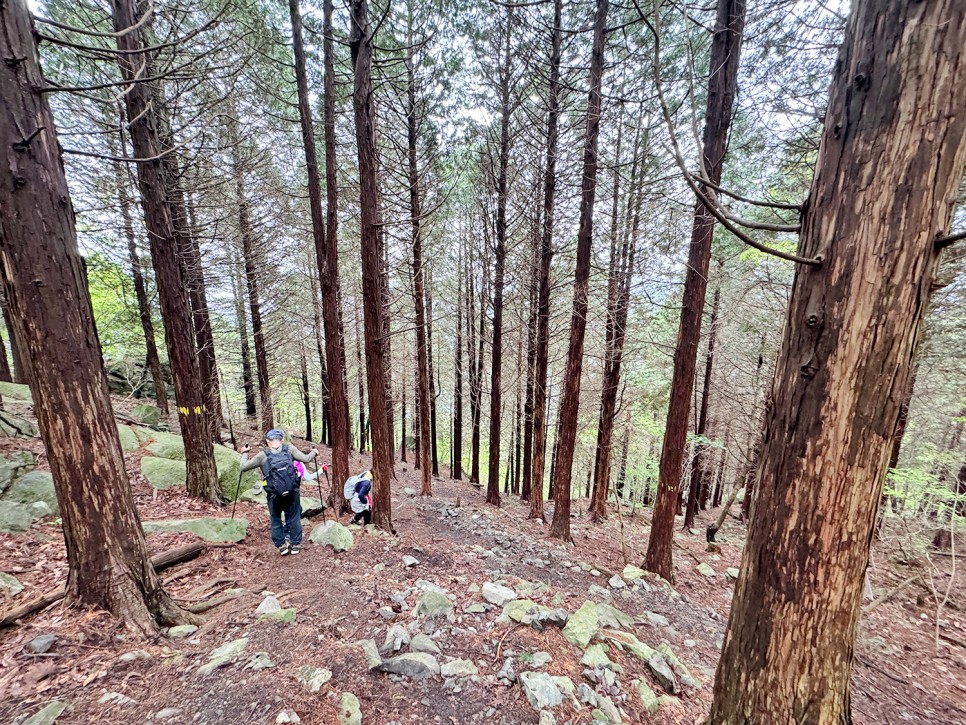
x=162, y=561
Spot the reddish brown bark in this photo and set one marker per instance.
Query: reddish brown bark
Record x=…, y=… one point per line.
x=570, y=398
x=895, y=125
x=158, y=218
x=722, y=84
x=456, y=471
x=360, y=44
x=45, y=288
x=546, y=256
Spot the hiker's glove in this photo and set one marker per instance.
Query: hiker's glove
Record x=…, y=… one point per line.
x=315, y=452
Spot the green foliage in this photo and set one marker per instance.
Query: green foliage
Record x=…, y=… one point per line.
x=115, y=308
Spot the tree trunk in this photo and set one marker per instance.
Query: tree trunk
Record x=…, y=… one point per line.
x=360, y=376
x=5, y=375
x=895, y=123
x=252, y=264
x=433, y=387
x=306, y=399
x=365, y=121
x=476, y=394
x=325, y=235
x=178, y=333
x=699, y=464
x=722, y=84
x=45, y=288
x=20, y=375
x=570, y=398
x=419, y=294
x=499, y=253
x=531, y=363
x=546, y=255
x=324, y=435
x=144, y=307
x=402, y=445
x=457, y=443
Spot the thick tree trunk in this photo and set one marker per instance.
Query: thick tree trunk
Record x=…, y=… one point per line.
x=402, y=445
x=325, y=235
x=531, y=364
x=140, y=292
x=324, y=434
x=570, y=397
x=476, y=393
x=360, y=377
x=546, y=255
x=44, y=284
x=433, y=387
x=360, y=44
x=895, y=123
x=699, y=464
x=158, y=217
x=722, y=84
x=419, y=293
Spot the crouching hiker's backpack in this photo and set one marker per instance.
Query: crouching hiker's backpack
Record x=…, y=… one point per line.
x=281, y=478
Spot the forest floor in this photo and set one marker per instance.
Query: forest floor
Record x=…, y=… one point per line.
x=900, y=673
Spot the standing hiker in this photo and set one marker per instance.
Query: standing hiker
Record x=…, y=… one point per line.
x=282, y=487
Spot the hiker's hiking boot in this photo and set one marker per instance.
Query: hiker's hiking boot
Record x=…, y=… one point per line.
x=294, y=549
x=285, y=549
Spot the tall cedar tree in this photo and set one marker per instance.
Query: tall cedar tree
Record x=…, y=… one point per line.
x=360, y=43
x=324, y=230
x=499, y=254
x=419, y=295
x=202, y=480
x=456, y=470
x=46, y=290
x=570, y=397
x=883, y=192
x=722, y=84
x=546, y=256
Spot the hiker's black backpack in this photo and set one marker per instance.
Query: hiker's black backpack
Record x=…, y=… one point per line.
x=281, y=478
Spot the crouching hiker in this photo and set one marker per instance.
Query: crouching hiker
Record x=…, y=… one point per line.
x=358, y=491
x=282, y=488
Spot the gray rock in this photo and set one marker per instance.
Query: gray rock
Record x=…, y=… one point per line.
x=598, y=591
x=332, y=534
x=410, y=561
x=648, y=697
x=369, y=649
x=615, y=582
x=547, y=718
x=423, y=643
x=706, y=570
x=607, y=708
x=596, y=656
x=223, y=655
x=396, y=637
x=459, y=668
x=31, y=487
x=269, y=605
x=432, y=605
x=167, y=713
x=507, y=672
x=47, y=714
x=39, y=509
x=313, y=678
x=209, y=529
x=632, y=573
x=287, y=717
x=41, y=644
x=732, y=573
x=138, y=654
x=387, y=613
x=662, y=673
x=147, y=414
x=540, y=689
x=115, y=698
x=410, y=492
x=582, y=625
x=349, y=711
x=259, y=661
x=586, y=694
x=539, y=659
x=417, y=665
x=614, y=618
x=657, y=620
x=182, y=631
x=14, y=517
x=475, y=608
x=496, y=594
x=9, y=585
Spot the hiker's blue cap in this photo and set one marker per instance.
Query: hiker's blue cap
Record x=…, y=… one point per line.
x=275, y=434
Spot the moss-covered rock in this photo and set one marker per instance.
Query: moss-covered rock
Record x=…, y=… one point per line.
x=147, y=414
x=13, y=466
x=13, y=426
x=32, y=487
x=332, y=534
x=215, y=530
x=582, y=625
x=167, y=445
x=164, y=473
x=129, y=441
x=14, y=517
x=12, y=391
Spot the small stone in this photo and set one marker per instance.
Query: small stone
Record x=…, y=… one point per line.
x=596, y=656
x=269, y=605
x=182, y=631
x=507, y=672
x=648, y=697
x=475, y=608
x=259, y=661
x=615, y=582
x=349, y=711
x=657, y=620
x=410, y=561
x=287, y=716
x=432, y=605
x=732, y=573
x=332, y=534
x=313, y=678
x=411, y=492
x=285, y=616
x=614, y=618
x=582, y=625
x=632, y=573
x=386, y=613
x=547, y=718
x=607, y=710
x=540, y=689
x=138, y=654
x=690, y=643
x=10, y=585
x=539, y=659
x=418, y=665
x=599, y=592
x=459, y=668
x=379, y=567
x=423, y=643
x=498, y=595
x=43, y=643
x=594, y=572
x=115, y=698
x=369, y=649
x=396, y=637
x=706, y=570
x=662, y=673
x=167, y=713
